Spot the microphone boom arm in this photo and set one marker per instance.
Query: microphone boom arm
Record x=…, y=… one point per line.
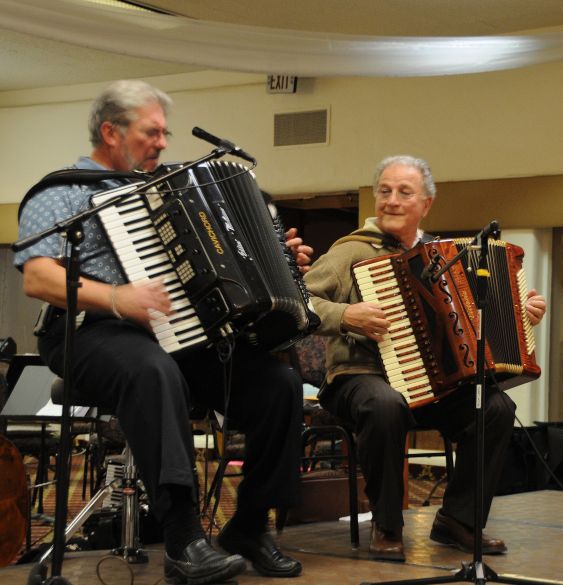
x=490, y=230
x=226, y=146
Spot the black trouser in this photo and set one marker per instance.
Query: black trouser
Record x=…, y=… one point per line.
x=119, y=366
x=381, y=419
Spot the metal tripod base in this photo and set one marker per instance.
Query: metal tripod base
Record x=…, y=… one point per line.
x=475, y=572
x=38, y=576
x=472, y=572
x=131, y=547
x=134, y=556
x=81, y=518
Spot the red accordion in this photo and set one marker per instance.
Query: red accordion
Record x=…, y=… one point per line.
x=431, y=346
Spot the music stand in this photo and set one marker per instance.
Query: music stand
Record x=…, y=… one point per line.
x=476, y=571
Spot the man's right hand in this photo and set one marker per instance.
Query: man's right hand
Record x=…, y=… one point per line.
x=142, y=301
x=45, y=279
x=367, y=319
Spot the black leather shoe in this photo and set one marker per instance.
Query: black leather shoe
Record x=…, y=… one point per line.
x=261, y=551
x=201, y=564
x=447, y=530
x=386, y=545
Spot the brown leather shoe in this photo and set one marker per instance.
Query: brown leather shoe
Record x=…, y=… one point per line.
x=446, y=530
x=386, y=545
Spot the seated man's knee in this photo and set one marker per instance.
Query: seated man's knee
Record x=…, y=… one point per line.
x=500, y=409
x=158, y=373
x=378, y=400
x=288, y=384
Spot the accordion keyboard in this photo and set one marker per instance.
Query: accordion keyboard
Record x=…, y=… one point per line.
x=142, y=255
x=399, y=350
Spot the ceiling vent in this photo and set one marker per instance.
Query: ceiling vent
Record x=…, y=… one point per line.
x=297, y=128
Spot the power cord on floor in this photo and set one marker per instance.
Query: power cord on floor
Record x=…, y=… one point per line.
x=538, y=454
x=124, y=562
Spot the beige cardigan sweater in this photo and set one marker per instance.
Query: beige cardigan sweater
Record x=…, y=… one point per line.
x=332, y=289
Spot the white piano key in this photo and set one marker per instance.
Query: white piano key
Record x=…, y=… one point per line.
x=126, y=246
x=390, y=353
x=129, y=206
x=367, y=280
x=389, y=340
x=121, y=190
x=392, y=365
x=400, y=324
x=121, y=233
x=150, y=261
x=140, y=273
x=134, y=221
x=163, y=329
x=163, y=335
x=408, y=379
x=172, y=345
x=128, y=252
x=396, y=314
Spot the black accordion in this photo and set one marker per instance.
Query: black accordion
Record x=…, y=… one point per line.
x=431, y=346
x=220, y=250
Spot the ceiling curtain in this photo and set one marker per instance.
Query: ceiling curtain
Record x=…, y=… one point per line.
x=176, y=39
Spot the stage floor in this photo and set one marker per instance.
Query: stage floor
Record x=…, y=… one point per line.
x=531, y=525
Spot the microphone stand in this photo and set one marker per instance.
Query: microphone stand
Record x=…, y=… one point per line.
x=71, y=228
x=476, y=571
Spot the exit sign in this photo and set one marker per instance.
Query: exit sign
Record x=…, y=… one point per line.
x=281, y=84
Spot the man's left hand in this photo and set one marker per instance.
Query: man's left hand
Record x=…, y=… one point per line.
x=301, y=251
x=535, y=306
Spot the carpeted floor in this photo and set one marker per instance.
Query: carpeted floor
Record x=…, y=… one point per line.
x=422, y=480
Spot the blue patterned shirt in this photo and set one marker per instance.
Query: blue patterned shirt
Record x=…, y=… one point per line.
x=56, y=203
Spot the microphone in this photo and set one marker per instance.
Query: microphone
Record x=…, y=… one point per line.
x=490, y=230
x=227, y=145
x=493, y=229
x=429, y=270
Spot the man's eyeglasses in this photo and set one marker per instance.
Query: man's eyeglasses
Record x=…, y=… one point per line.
x=156, y=133
x=404, y=195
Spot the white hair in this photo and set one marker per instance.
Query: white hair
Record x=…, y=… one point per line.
x=116, y=104
x=411, y=161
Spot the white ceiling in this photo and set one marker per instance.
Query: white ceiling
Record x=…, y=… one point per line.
x=31, y=62
x=377, y=17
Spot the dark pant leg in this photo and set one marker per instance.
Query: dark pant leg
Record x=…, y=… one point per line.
x=454, y=416
x=265, y=403
x=118, y=365
x=381, y=420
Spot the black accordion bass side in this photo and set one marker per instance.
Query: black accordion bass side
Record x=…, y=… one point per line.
x=431, y=347
x=209, y=233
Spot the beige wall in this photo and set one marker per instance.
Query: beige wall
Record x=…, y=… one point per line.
x=469, y=127
x=524, y=202
x=8, y=222
x=494, y=125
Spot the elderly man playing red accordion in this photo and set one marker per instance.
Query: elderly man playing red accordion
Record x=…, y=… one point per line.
x=356, y=391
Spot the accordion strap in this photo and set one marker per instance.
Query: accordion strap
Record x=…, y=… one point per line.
x=380, y=239
x=75, y=176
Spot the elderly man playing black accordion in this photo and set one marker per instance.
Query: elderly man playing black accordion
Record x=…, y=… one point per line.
x=119, y=364
x=357, y=392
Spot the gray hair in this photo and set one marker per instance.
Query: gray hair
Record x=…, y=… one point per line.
x=411, y=161
x=116, y=104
